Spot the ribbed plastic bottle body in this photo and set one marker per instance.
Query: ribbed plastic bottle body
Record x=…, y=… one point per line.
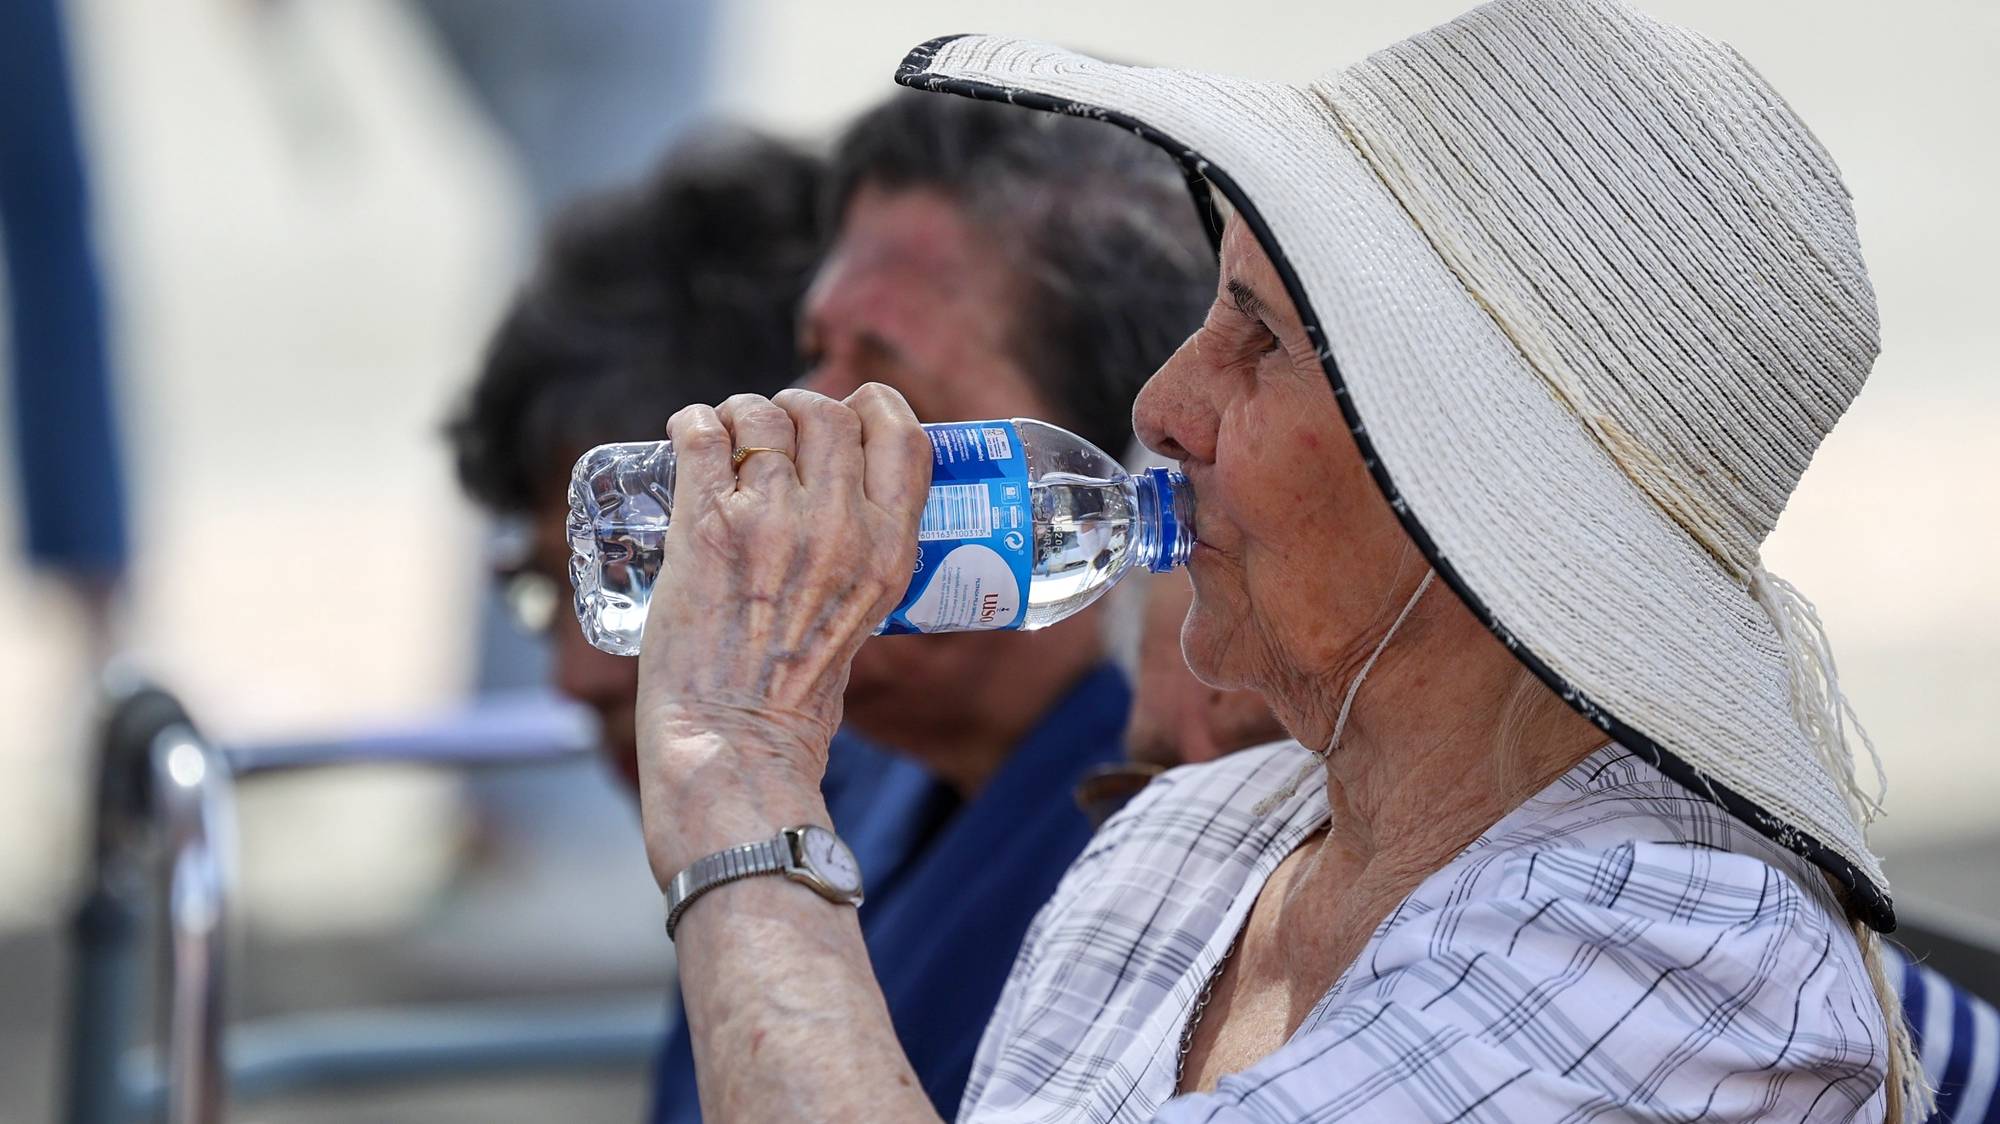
x=1026, y=524
x=621, y=498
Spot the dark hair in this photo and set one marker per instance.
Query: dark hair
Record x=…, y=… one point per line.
x=682, y=289
x=1114, y=260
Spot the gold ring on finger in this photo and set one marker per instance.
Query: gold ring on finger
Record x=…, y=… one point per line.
x=737, y=458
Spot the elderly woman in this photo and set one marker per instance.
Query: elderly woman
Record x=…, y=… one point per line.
x=1527, y=328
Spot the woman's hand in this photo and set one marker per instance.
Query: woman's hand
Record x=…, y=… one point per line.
x=775, y=573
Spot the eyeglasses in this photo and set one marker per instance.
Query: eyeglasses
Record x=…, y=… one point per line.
x=532, y=599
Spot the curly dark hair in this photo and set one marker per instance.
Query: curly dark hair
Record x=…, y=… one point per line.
x=681, y=289
x=1116, y=262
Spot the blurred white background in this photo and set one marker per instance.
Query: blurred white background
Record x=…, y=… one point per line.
x=308, y=231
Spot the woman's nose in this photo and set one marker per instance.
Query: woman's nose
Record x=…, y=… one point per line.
x=1168, y=417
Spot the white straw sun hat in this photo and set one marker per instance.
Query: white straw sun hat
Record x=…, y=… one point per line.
x=1589, y=294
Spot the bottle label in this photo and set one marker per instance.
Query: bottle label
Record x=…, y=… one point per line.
x=975, y=546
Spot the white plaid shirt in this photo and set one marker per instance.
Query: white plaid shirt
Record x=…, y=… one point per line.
x=1614, y=949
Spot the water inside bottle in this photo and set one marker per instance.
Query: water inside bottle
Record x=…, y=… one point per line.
x=628, y=561
x=1084, y=532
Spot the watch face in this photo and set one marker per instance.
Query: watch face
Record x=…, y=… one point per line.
x=830, y=859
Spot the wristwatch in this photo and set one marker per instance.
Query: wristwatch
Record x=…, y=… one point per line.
x=807, y=854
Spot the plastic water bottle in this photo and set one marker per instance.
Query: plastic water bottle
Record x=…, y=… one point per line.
x=1026, y=524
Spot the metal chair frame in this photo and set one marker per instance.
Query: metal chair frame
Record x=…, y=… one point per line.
x=164, y=841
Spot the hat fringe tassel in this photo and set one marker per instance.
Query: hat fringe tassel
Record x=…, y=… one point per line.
x=1818, y=702
x=1827, y=716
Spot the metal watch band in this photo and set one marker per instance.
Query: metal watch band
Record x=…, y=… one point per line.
x=721, y=868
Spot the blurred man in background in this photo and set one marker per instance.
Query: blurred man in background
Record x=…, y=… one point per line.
x=682, y=289
x=988, y=264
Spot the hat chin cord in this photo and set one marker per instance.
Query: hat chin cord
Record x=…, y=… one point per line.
x=1823, y=710
x=1320, y=756
x=1821, y=707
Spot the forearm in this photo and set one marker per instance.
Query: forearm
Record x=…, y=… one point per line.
x=787, y=1019
x=773, y=572
x=788, y=1022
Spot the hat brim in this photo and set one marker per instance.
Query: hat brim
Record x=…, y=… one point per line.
x=1515, y=505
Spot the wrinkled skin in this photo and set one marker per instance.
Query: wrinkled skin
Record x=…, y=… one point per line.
x=1176, y=718
x=1299, y=563
x=774, y=574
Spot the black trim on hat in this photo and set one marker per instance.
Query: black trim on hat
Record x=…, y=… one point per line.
x=1870, y=900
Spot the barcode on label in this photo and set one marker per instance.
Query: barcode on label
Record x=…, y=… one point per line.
x=998, y=448
x=957, y=511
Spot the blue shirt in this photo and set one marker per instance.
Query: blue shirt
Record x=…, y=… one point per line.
x=951, y=888
x=1957, y=1039
x=881, y=804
